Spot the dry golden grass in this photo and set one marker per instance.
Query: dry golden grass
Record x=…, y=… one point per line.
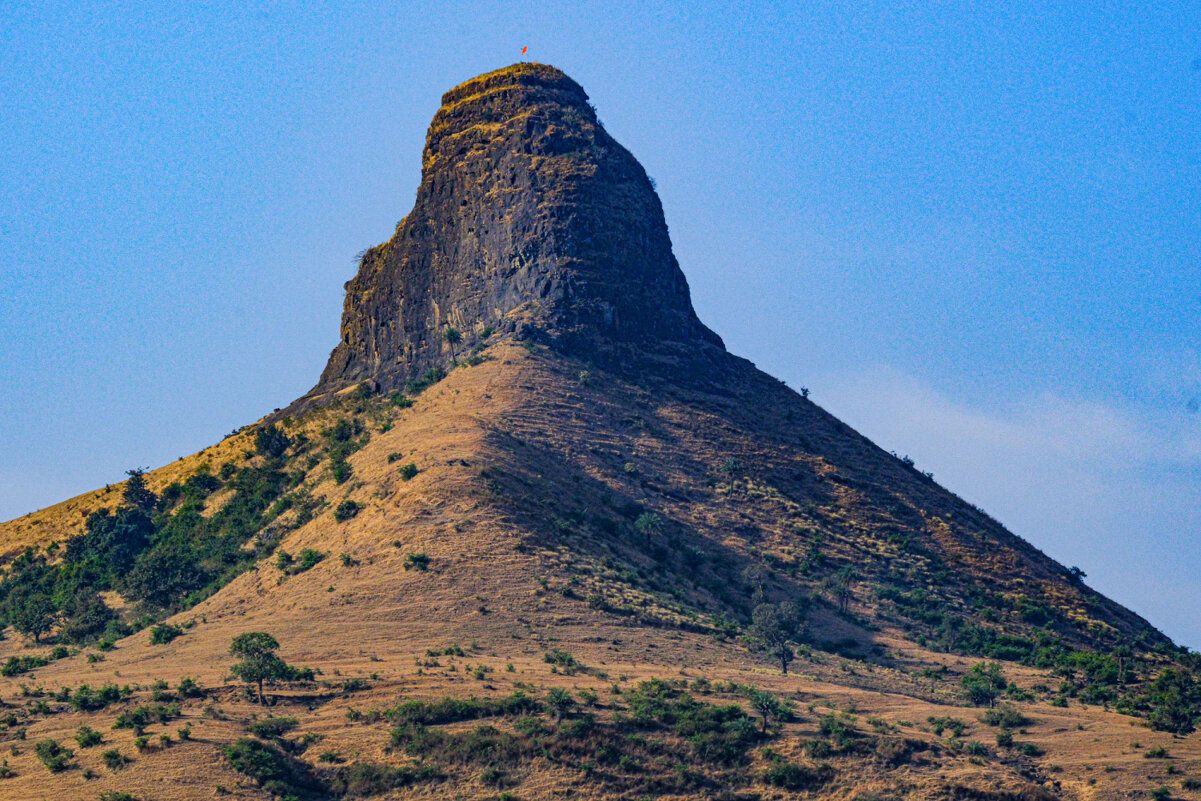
x=507, y=449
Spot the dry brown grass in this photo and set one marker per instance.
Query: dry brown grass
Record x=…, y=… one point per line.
x=508, y=451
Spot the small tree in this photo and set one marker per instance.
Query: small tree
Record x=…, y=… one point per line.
x=32, y=613
x=560, y=702
x=776, y=625
x=731, y=468
x=840, y=587
x=648, y=525
x=259, y=662
x=270, y=440
x=983, y=683
x=768, y=706
x=453, y=338
x=136, y=494
x=755, y=576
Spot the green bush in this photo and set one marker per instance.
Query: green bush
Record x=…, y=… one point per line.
x=791, y=776
x=273, y=728
x=430, y=377
x=53, y=756
x=270, y=768
x=408, y=471
x=364, y=779
x=188, y=688
x=307, y=559
x=88, y=737
x=1005, y=716
x=983, y=683
x=164, y=633
x=114, y=759
x=142, y=716
x=416, y=561
x=271, y=441
x=719, y=734
x=85, y=699
x=345, y=511
x=16, y=665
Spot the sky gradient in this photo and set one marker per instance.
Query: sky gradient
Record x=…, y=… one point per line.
x=974, y=234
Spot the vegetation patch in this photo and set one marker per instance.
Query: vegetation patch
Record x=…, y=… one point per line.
x=55, y=757
x=270, y=768
x=164, y=633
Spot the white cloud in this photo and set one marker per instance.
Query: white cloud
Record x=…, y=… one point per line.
x=1114, y=489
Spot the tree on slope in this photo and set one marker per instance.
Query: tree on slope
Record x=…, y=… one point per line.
x=259, y=662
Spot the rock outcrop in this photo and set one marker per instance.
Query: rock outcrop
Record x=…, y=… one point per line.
x=530, y=221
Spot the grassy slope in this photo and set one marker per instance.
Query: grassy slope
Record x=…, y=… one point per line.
x=517, y=457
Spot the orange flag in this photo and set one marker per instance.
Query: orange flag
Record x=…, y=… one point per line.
x=524, y=49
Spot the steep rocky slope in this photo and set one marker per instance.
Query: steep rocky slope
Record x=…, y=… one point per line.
x=586, y=493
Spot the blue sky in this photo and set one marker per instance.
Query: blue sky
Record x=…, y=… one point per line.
x=973, y=232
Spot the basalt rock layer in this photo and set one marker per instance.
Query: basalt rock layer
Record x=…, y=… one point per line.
x=530, y=220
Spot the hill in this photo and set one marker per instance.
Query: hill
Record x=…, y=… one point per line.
x=536, y=533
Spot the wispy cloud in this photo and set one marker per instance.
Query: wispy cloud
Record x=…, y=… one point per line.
x=1114, y=489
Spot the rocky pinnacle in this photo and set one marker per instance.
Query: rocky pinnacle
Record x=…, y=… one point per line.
x=530, y=222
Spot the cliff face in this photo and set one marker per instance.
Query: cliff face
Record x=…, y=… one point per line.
x=530, y=220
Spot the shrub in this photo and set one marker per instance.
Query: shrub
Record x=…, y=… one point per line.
x=303, y=561
x=142, y=716
x=451, y=710
x=408, y=471
x=1158, y=752
x=416, y=561
x=307, y=559
x=271, y=441
x=16, y=665
x=188, y=688
x=720, y=734
x=791, y=776
x=118, y=795
x=114, y=759
x=269, y=767
x=273, y=728
x=53, y=756
x=1006, y=717
x=838, y=727
x=1161, y=794
x=85, y=699
x=368, y=778
x=563, y=659
x=164, y=633
x=88, y=737
x=983, y=683
x=430, y=377
x=346, y=510
x=266, y=765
